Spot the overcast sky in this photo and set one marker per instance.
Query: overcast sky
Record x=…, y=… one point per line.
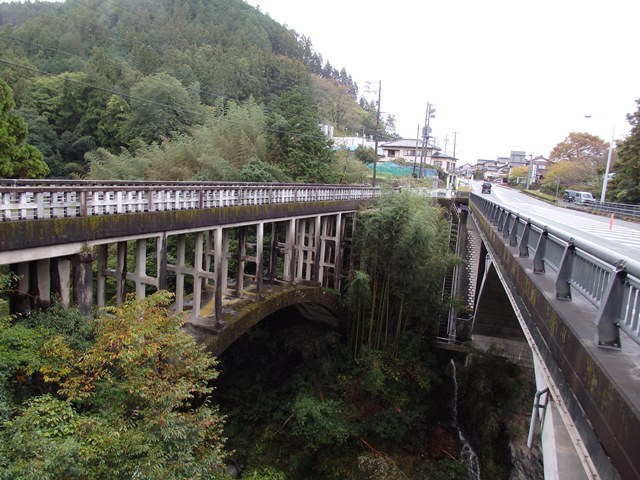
x=505, y=74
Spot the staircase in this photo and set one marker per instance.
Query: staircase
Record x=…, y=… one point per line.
x=447, y=324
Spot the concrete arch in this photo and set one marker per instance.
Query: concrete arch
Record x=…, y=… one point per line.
x=245, y=313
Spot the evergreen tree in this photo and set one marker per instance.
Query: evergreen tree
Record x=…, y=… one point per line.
x=18, y=159
x=625, y=187
x=297, y=144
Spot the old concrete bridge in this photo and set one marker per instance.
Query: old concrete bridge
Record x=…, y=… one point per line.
x=246, y=250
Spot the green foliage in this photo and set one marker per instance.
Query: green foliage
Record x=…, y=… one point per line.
x=350, y=170
x=130, y=402
x=491, y=393
x=18, y=159
x=318, y=423
x=264, y=473
x=403, y=243
x=258, y=171
x=161, y=107
x=297, y=144
x=365, y=154
x=625, y=187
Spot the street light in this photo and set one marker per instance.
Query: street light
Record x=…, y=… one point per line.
x=605, y=181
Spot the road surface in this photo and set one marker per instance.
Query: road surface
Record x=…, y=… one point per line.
x=622, y=238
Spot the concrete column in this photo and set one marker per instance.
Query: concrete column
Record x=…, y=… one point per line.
x=218, y=255
x=337, y=271
x=180, y=253
x=42, y=289
x=101, y=280
x=141, y=267
x=289, y=271
x=301, y=239
x=314, y=254
x=19, y=302
x=224, y=262
x=62, y=280
x=83, y=282
x=162, y=261
x=242, y=259
x=273, y=257
x=259, y=259
x=121, y=274
x=197, y=273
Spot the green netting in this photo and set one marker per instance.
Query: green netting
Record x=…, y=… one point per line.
x=403, y=170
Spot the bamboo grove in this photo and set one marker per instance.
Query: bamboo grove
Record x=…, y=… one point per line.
x=403, y=256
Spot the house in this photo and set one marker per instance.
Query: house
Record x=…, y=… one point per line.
x=467, y=170
x=411, y=150
x=443, y=161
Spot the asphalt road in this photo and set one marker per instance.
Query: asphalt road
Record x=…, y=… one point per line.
x=622, y=237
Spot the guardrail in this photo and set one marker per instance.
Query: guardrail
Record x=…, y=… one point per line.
x=618, y=209
x=607, y=281
x=46, y=199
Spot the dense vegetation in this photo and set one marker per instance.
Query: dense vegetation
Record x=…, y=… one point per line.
x=99, y=79
x=121, y=396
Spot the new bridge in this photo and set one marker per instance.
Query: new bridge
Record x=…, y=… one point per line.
x=572, y=282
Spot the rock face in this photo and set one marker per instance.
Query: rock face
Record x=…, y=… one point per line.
x=527, y=463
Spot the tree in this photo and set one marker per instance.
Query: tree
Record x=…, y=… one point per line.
x=518, y=172
x=131, y=403
x=297, y=144
x=587, y=154
x=161, y=107
x=581, y=147
x=18, y=159
x=365, y=154
x=569, y=174
x=625, y=186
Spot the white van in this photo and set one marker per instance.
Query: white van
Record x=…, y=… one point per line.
x=580, y=198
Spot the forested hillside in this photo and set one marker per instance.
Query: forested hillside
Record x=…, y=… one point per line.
x=110, y=80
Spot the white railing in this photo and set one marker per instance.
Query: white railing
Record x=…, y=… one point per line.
x=34, y=200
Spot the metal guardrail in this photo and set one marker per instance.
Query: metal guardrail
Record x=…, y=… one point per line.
x=609, y=282
x=618, y=209
x=46, y=199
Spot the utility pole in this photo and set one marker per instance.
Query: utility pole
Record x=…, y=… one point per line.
x=415, y=152
x=430, y=113
x=375, y=148
x=455, y=139
x=446, y=141
x=530, y=172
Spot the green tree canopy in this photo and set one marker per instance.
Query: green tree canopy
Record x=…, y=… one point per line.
x=297, y=144
x=162, y=107
x=625, y=187
x=18, y=159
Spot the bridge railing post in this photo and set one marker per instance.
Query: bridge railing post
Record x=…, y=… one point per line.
x=607, y=320
x=513, y=234
x=563, y=287
x=508, y=224
x=523, y=246
x=538, y=256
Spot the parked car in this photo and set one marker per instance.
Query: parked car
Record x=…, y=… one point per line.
x=486, y=187
x=580, y=198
